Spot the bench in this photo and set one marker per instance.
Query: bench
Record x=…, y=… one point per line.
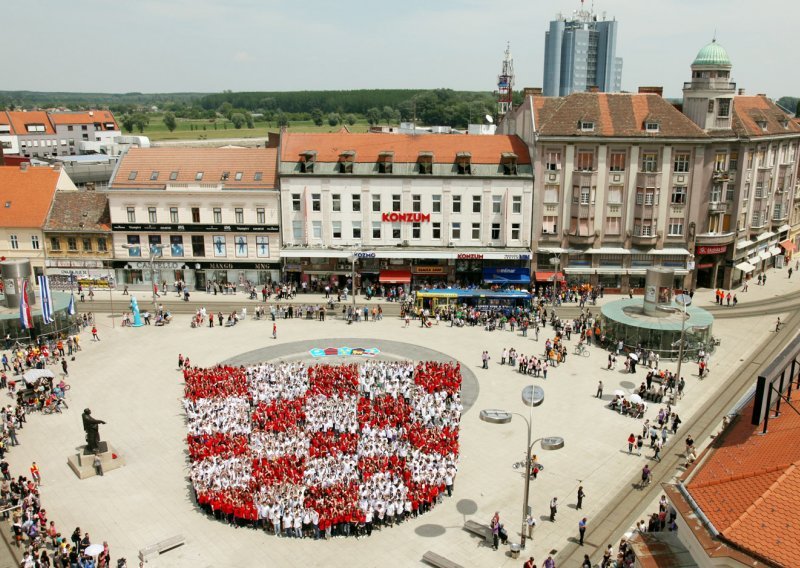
x=478, y=529
x=154, y=550
x=437, y=560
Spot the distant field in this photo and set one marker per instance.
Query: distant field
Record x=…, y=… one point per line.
x=194, y=129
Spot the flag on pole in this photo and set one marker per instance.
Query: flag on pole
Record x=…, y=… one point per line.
x=45, y=299
x=25, y=318
x=71, y=307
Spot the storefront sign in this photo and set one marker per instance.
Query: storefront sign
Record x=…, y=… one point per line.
x=194, y=228
x=364, y=254
x=517, y=256
x=469, y=256
x=69, y=263
x=406, y=217
x=429, y=269
x=720, y=249
x=236, y=265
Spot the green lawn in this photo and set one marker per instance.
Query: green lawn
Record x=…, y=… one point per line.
x=205, y=129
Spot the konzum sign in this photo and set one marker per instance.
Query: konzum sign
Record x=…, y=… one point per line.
x=406, y=217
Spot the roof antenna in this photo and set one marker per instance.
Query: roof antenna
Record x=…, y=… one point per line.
x=714, y=40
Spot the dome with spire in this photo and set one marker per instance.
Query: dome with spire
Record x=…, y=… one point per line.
x=712, y=54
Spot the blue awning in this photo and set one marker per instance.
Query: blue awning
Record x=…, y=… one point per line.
x=506, y=275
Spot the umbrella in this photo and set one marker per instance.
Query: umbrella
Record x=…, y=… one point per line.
x=619, y=392
x=93, y=549
x=636, y=399
x=34, y=375
x=634, y=356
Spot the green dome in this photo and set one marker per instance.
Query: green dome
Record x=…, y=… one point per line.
x=712, y=54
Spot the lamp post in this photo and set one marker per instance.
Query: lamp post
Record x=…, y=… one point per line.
x=531, y=396
x=556, y=262
x=353, y=259
x=682, y=300
x=155, y=249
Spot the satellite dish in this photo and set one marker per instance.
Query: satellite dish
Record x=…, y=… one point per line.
x=489, y=118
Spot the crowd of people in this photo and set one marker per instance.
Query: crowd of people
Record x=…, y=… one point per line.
x=324, y=450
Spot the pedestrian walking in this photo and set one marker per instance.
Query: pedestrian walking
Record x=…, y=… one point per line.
x=581, y=495
x=274, y=330
x=95, y=337
x=485, y=358
x=657, y=448
x=581, y=529
x=586, y=562
x=631, y=442
x=549, y=562
x=64, y=367
x=639, y=444
x=599, y=393
x=778, y=325
x=607, y=555
x=530, y=521
x=529, y=563
x=689, y=444
x=495, y=526
x=553, y=509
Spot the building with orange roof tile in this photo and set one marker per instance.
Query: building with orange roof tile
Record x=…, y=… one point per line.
x=210, y=215
x=626, y=180
x=412, y=210
x=26, y=196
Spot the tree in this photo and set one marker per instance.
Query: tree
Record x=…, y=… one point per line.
x=281, y=118
x=238, y=119
x=140, y=121
x=334, y=119
x=797, y=110
x=250, y=122
x=373, y=116
x=316, y=116
x=350, y=119
x=170, y=122
x=390, y=115
x=128, y=123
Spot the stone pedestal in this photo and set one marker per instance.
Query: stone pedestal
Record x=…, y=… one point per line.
x=82, y=463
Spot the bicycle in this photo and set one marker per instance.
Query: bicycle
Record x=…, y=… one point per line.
x=581, y=349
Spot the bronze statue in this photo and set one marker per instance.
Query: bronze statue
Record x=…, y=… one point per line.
x=90, y=426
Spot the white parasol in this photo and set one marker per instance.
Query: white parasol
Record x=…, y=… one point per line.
x=34, y=375
x=636, y=399
x=634, y=356
x=93, y=549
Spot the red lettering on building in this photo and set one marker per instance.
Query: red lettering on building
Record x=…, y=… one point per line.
x=469, y=256
x=720, y=249
x=406, y=217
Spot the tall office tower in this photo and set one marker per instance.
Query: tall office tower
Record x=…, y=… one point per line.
x=580, y=53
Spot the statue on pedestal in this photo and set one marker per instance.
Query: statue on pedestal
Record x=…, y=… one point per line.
x=90, y=426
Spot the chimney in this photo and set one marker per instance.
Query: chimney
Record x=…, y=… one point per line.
x=23, y=167
x=761, y=95
x=652, y=90
x=741, y=91
x=531, y=91
x=593, y=89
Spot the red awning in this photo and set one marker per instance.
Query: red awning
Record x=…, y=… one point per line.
x=548, y=276
x=395, y=277
x=788, y=246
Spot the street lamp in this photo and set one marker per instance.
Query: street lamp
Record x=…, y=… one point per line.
x=353, y=259
x=556, y=262
x=156, y=249
x=682, y=300
x=531, y=396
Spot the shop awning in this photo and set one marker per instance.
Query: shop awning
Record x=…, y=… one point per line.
x=775, y=251
x=395, y=277
x=506, y=276
x=764, y=255
x=608, y=250
x=788, y=246
x=542, y=276
x=745, y=267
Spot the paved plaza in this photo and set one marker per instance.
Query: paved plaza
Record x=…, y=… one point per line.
x=130, y=380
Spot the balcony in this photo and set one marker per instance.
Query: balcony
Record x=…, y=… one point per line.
x=581, y=239
x=717, y=207
x=644, y=240
x=706, y=239
x=709, y=83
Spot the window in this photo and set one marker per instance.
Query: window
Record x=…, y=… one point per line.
x=416, y=230
x=476, y=203
x=295, y=202
x=356, y=202
x=615, y=194
x=549, y=225
x=297, y=231
x=425, y=164
x=678, y=195
x=733, y=162
x=134, y=249
x=643, y=229
x=376, y=203
x=716, y=193
x=720, y=162
x=336, y=229
x=395, y=202
x=497, y=203
x=72, y=244
x=198, y=176
x=154, y=242
x=316, y=229
x=750, y=160
x=551, y=194
x=195, y=214
x=681, y=164
x=217, y=215
x=153, y=176
x=336, y=202
x=651, y=126
x=173, y=215
x=495, y=231
x=239, y=215
x=649, y=162
x=463, y=164
x=777, y=211
x=87, y=245
x=35, y=242
x=376, y=229
x=759, y=189
x=396, y=231
x=436, y=230
x=176, y=245
x=476, y=231
x=261, y=215
x=515, y=232
x=729, y=192
x=711, y=105
x=553, y=161
x=316, y=202
x=257, y=176
x=132, y=175
x=385, y=163
x=587, y=126
x=724, y=109
x=356, y=229
x=436, y=205
x=456, y=204
x=516, y=204
x=102, y=244
x=617, y=162
x=585, y=195
x=131, y=214
x=649, y=197
x=756, y=218
x=455, y=232
x=173, y=175
x=613, y=225
x=585, y=161
x=152, y=215
x=198, y=246
x=416, y=203
x=238, y=176
x=675, y=227
x=509, y=165
x=55, y=244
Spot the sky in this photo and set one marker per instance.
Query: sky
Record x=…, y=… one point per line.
x=273, y=45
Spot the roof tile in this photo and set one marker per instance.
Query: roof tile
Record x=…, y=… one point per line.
x=26, y=195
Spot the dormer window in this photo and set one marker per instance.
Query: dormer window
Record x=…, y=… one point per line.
x=509, y=162
x=110, y=126
x=307, y=160
x=425, y=163
x=35, y=127
x=225, y=176
x=464, y=163
x=153, y=176
x=346, y=160
x=651, y=126
x=762, y=124
x=198, y=176
x=173, y=175
x=132, y=175
x=385, y=162
x=238, y=176
x=785, y=123
x=587, y=126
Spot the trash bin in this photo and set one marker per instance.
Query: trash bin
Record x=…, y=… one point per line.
x=514, y=550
